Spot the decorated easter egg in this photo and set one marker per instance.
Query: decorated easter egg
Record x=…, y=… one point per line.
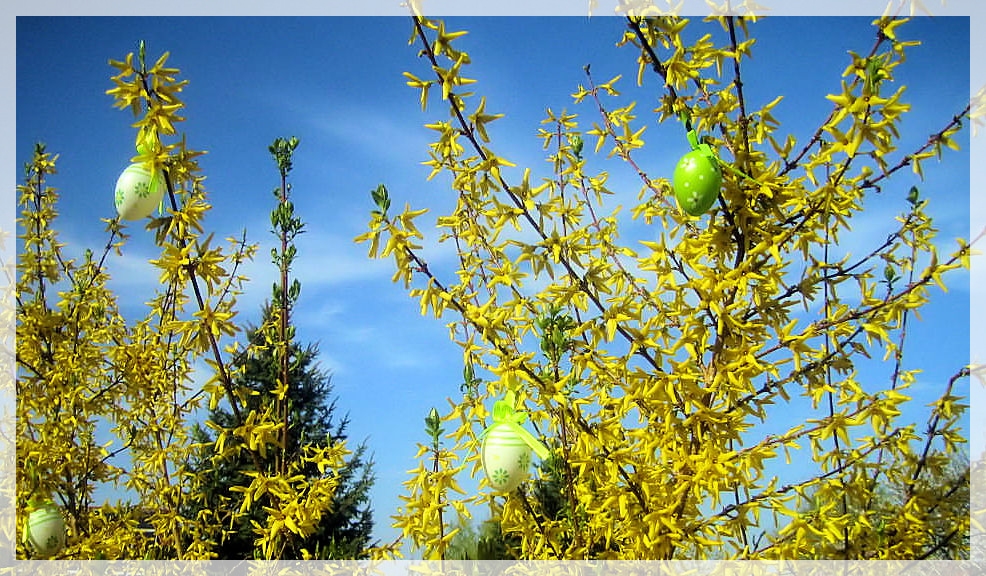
x=506, y=458
x=696, y=181
x=44, y=531
x=137, y=193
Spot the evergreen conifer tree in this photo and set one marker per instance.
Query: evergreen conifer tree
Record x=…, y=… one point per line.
x=283, y=379
x=345, y=531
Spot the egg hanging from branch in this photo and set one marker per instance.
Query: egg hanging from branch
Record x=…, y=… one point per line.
x=44, y=530
x=507, y=447
x=506, y=458
x=138, y=192
x=696, y=180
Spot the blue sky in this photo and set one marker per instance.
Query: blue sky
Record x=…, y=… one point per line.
x=336, y=83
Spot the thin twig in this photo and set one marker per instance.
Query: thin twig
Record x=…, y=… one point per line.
x=933, y=429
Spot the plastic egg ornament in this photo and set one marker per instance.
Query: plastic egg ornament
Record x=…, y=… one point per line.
x=44, y=530
x=138, y=193
x=506, y=458
x=696, y=180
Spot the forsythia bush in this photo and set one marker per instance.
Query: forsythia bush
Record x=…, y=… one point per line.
x=650, y=368
x=81, y=367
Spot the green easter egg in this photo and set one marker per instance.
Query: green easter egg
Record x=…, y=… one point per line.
x=696, y=181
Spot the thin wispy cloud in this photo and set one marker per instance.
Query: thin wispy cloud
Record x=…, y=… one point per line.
x=370, y=130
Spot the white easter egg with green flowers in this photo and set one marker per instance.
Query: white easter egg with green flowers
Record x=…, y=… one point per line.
x=506, y=458
x=44, y=530
x=138, y=192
